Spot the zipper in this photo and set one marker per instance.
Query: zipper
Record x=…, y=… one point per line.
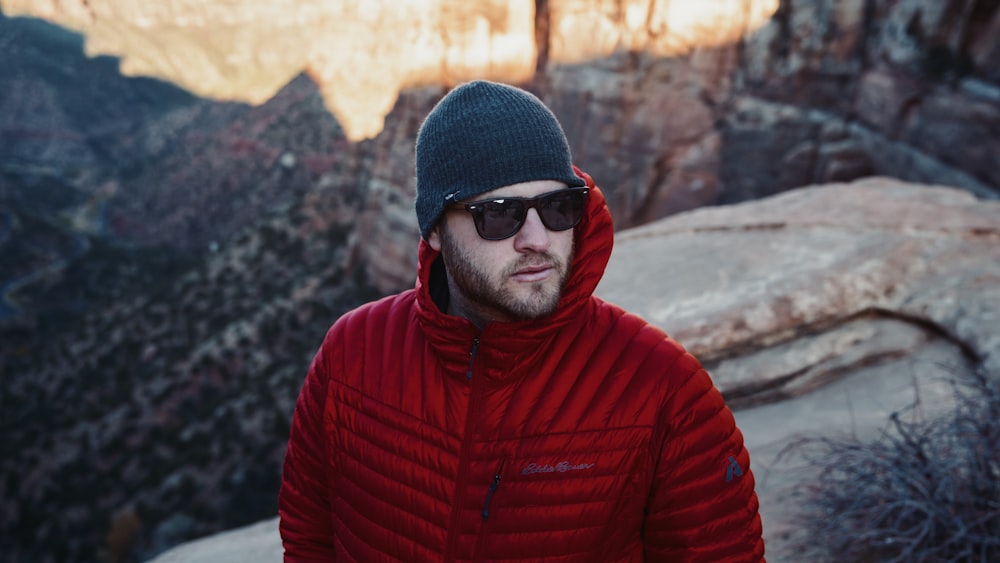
x=462, y=477
x=472, y=356
x=493, y=489
x=484, y=531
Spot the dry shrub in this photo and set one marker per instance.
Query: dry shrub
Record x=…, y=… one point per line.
x=926, y=490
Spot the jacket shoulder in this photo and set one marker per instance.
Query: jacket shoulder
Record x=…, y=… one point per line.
x=369, y=328
x=392, y=309
x=631, y=335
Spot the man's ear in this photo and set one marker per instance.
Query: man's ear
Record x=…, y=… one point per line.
x=434, y=237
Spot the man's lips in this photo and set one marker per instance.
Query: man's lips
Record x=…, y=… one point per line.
x=533, y=273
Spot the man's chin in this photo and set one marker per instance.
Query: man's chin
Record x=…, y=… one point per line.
x=535, y=303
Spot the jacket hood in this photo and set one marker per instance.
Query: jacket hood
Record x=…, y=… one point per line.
x=450, y=335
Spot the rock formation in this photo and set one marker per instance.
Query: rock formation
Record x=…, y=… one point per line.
x=362, y=54
x=670, y=105
x=685, y=102
x=781, y=296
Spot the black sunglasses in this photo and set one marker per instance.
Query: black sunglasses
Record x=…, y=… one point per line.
x=503, y=217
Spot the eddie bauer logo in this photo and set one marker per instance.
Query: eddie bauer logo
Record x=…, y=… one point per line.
x=561, y=467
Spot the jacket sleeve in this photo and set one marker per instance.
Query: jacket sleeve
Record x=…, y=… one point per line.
x=305, y=521
x=702, y=504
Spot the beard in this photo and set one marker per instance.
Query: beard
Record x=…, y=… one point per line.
x=489, y=292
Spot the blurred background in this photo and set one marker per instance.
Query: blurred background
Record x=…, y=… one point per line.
x=192, y=192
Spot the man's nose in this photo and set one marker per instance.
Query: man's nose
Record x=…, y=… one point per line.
x=533, y=235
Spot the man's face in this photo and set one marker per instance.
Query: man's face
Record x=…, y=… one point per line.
x=516, y=278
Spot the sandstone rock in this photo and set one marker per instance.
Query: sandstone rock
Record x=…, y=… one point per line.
x=743, y=279
x=251, y=544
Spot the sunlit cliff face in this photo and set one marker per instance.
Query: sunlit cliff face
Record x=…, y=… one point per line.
x=363, y=52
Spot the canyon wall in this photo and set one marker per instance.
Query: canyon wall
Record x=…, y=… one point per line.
x=670, y=105
x=363, y=53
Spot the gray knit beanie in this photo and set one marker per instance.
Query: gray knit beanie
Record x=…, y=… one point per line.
x=483, y=136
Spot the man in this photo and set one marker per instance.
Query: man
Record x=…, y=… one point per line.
x=499, y=410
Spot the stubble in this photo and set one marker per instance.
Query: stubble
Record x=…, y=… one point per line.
x=492, y=294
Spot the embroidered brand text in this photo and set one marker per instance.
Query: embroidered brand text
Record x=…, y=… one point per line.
x=561, y=467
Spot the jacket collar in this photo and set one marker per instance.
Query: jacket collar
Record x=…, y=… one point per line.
x=502, y=345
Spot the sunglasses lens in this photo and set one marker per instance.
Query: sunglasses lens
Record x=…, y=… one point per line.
x=561, y=210
x=497, y=220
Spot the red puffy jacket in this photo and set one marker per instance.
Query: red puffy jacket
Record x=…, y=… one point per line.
x=588, y=435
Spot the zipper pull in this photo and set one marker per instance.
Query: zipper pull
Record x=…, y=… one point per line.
x=472, y=356
x=493, y=488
